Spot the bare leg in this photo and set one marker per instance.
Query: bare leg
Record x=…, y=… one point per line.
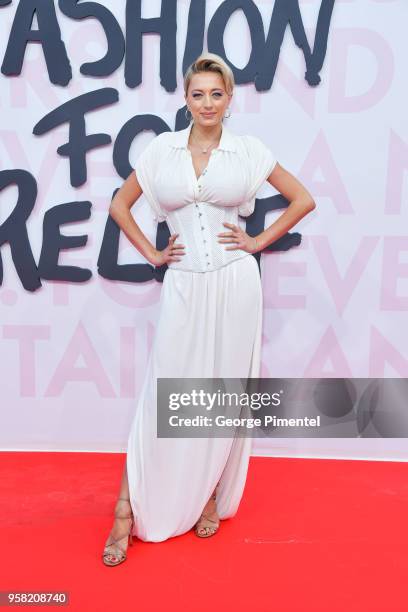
x=121, y=523
x=124, y=485
x=211, y=506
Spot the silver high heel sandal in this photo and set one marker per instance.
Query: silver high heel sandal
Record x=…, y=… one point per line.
x=119, y=555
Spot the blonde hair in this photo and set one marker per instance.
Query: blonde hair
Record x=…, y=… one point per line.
x=210, y=62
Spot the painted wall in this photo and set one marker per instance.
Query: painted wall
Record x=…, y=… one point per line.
x=73, y=341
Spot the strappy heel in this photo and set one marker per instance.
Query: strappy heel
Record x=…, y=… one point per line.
x=209, y=530
x=118, y=553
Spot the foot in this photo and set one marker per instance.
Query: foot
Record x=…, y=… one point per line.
x=209, y=521
x=115, y=552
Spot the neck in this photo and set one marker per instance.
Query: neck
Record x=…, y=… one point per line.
x=206, y=134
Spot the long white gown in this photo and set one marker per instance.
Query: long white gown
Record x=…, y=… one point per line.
x=210, y=325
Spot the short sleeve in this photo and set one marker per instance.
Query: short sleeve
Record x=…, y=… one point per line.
x=145, y=169
x=260, y=163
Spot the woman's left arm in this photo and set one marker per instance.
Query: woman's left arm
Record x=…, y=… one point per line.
x=301, y=203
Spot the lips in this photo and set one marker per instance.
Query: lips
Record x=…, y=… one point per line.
x=208, y=114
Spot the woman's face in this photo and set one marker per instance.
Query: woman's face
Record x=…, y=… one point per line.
x=207, y=98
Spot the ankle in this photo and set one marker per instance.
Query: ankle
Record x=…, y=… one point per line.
x=123, y=508
x=211, y=506
x=122, y=501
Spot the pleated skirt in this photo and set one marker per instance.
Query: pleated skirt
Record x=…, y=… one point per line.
x=209, y=326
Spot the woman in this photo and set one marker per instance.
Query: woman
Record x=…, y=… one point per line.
x=197, y=179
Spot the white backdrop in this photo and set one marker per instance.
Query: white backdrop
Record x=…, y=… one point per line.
x=73, y=356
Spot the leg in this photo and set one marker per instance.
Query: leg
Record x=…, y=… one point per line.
x=209, y=521
x=123, y=519
x=124, y=485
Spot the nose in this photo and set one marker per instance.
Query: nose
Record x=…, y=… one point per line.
x=208, y=102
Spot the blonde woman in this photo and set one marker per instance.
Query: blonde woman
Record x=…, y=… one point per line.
x=198, y=180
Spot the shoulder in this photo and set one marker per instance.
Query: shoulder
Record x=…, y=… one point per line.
x=159, y=140
x=245, y=144
x=256, y=151
x=151, y=154
x=252, y=144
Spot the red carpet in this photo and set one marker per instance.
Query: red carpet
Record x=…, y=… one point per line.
x=309, y=535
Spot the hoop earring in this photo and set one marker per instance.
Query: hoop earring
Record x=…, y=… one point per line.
x=229, y=114
x=185, y=114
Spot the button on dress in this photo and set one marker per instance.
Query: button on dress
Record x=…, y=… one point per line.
x=209, y=326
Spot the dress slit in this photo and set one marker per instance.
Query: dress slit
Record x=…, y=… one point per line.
x=171, y=479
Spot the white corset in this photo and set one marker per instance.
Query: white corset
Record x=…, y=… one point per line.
x=198, y=225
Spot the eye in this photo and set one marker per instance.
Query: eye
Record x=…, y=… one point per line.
x=218, y=94
x=196, y=95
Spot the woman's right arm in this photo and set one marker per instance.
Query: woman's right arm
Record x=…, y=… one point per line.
x=119, y=210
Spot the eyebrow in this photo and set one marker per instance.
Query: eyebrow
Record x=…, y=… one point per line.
x=214, y=89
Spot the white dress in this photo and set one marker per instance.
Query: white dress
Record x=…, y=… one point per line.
x=209, y=325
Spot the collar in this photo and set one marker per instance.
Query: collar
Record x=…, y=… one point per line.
x=227, y=140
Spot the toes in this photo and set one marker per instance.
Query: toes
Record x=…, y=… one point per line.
x=203, y=530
